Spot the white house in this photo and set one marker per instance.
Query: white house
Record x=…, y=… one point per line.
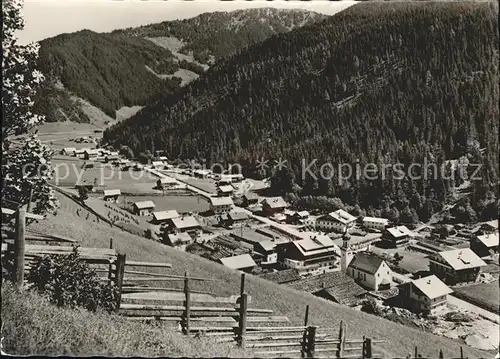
x=243, y=262
x=221, y=205
x=397, y=236
x=165, y=183
x=226, y=190
x=375, y=223
x=144, y=208
x=68, y=151
x=338, y=221
x=186, y=224
x=90, y=154
x=370, y=271
x=428, y=295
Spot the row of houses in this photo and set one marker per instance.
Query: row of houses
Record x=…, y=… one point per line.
x=91, y=153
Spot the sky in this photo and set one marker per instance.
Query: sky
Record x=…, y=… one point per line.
x=48, y=18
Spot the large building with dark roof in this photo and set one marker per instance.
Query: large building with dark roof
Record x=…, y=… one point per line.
x=370, y=271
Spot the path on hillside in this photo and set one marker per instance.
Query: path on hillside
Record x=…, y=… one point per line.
x=462, y=304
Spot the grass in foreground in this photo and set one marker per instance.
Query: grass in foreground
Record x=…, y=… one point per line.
x=31, y=325
x=400, y=340
x=484, y=295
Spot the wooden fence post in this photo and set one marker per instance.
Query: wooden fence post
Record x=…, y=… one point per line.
x=367, y=350
x=30, y=198
x=243, y=319
x=120, y=272
x=461, y=353
x=441, y=355
x=340, y=351
x=416, y=352
x=110, y=267
x=19, y=247
x=187, y=305
x=304, y=336
x=242, y=284
x=311, y=340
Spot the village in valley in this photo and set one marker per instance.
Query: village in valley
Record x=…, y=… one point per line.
x=439, y=278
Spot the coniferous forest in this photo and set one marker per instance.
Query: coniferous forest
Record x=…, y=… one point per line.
x=377, y=83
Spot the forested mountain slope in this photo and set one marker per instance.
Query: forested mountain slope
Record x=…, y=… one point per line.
x=399, y=82
x=131, y=67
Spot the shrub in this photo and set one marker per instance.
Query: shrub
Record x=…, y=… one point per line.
x=69, y=282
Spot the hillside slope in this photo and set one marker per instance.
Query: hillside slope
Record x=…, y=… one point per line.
x=133, y=67
x=400, y=339
x=376, y=83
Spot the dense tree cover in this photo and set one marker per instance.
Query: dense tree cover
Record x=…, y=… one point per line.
x=378, y=83
x=108, y=71
x=122, y=68
x=221, y=34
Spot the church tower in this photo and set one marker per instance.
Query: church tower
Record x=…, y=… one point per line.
x=346, y=253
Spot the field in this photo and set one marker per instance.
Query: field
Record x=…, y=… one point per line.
x=399, y=339
x=412, y=261
x=484, y=295
x=179, y=203
x=32, y=326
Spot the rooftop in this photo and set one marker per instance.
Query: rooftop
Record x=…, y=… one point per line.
x=164, y=215
x=282, y=276
x=432, y=286
x=342, y=216
x=237, y=216
x=180, y=238
x=399, y=231
x=376, y=219
x=164, y=180
x=185, y=222
x=226, y=189
x=275, y=202
x=144, y=204
x=251, y=195
x=111, y=192
x=221, y=201
x=366, y=262
x=489, y=240
x=93, y=151
x=239, y=262
x=462, y=258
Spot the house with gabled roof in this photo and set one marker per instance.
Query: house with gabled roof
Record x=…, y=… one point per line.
x=90, y=154
x=334, y=286
x=370, y=271
x=312, y=255
x=455, y=266
x=242, y=262
x=68, y=151
x=250, y=198
x=143, y=208
x=164, y=216
x=111, y=195
x=485, y=244
x=179, y=240
x=337, y=221
x=375, y=223
x=397, y=236
x=165, y=183
x=427, y=295
x=220, y=205
x=273, y=205
x=226, y=190
x=185, y=224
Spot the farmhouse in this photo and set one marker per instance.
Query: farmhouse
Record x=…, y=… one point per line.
x=250, y=198
x=164, y=216
x=334, y=286
x=312, y=255
x=456, y=266
x=226, y=190
x=221, y=205
x=338, y=221
x=485, y=245
x=111, y=195
x=179, y=240
x=143, y=208
x=370, y=271
x=426, y=295
x=90, y=154
x=397, y=236
x=235, y=217
x=375, y=223
x=165, y=183
x=490, y=227
x=79, y=152
x=273, y=205
x=159, y=165
x=243, y=262
x=68, y=151
x=185, y=224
